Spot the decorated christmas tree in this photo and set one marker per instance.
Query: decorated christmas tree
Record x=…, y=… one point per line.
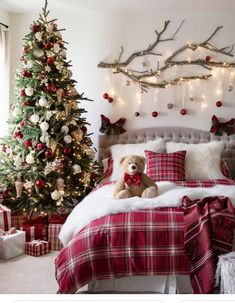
x=47, y=159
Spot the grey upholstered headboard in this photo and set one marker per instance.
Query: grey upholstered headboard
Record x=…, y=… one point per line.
x=176, y=134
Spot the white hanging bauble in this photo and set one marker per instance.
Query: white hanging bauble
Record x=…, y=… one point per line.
x=67, y=139
x=63, y=53
x=55, y=195
x=17, y=112
x=77, y=168
x=34, y=118
x=64, y=129
x=44, y=126
x=38, y=36
x=43, y=101
x=29, y=159
x=56, y=48
x=29, y=91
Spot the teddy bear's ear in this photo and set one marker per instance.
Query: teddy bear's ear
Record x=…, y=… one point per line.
x=122, y=159
x=143, y=159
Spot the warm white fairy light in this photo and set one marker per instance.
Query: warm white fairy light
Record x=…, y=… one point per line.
x=203, y=103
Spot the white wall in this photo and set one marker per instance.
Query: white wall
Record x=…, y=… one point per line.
x=97, y=36
x=4, y=16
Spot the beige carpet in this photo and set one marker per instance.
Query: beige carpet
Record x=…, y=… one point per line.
x=28, y=275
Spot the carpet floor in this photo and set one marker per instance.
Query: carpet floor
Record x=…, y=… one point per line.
x=28, y=275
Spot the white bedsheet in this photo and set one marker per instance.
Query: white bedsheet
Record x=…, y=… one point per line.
x=100, y=203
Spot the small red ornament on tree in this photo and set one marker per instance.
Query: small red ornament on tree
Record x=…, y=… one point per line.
x=35, y=28
x=18, y=134
x=39, y=183
x=105, y=95
x=4, y=148
x=22, y=93
x=50, y=60
x=26, y=73
x=27, y=143
x=208, y=58
x=25, y=50
x=183, y=111
x=22, y=123
x=84, y=129
x=53, y=88
x=154, y=114
x=110, y=99
x=48, y=153
x=48, y=45
x=39, y=146
x=67, y=150
x=26, y=103
x=219, y=104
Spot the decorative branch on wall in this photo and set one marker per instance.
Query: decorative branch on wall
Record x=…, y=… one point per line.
x=139, y=77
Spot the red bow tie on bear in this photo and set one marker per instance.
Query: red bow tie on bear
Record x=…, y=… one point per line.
x=135, y=179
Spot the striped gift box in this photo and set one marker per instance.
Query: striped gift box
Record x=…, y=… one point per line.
x=5, y=218
x=35, y=231
x=53, y=236
x=37, y=248
x=18, y=220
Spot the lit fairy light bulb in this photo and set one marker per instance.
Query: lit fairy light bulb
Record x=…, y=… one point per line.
x=112, y=92
x=121, y=101
x=204, y=102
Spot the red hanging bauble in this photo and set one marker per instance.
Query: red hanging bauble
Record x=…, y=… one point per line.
x=25, y=50
x=18, y=134
x=26, y=73
x=50, y=60
x=22, y=123
x=105, y=95
x=22, y=93
x=48, y=45
x=183, y=111
x=4, y=148
x=26, y=103
x=27, y=143
x=154, y=114
x=39, y=146
x=39, y=183
x=110, y=99
x=84, y=129
x=208, y=58
x=35, y=28
x=53, y=88
x=218, y=103
x=67, y=150
x=48, y=153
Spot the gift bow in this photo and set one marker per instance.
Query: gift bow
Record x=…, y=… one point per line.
x=218, y=127
x=11, y=231
x=135, y=179
x=38, y=242
x=116, y=128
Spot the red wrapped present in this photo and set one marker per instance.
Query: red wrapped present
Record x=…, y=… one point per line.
x=18, y=220
x=37, y=248
x=53, y=236
x=35, y=231
x=5, y=217
x=57, y=218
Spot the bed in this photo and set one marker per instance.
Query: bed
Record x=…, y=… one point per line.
x=139, y=245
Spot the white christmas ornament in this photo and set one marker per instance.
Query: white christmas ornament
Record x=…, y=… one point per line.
x=64, y=129
x=29, y=91
x=45, y=137
x=17, y=112
x=77, y=168
x=50, y=28
x=56, y=48
x=56, y=195
x=63, y=54
x=34, y=118
x=43, y=101
x=29, y=159
x=44, y=126
x=67, y=139
x=38, y=36
x=59, y=35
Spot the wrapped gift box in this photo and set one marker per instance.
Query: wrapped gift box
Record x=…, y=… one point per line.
x=18, y=220
x=53, y=236
x=12, y=245
x=57, y=218
x=35, y=231
x=37, y=248
x=5, y=217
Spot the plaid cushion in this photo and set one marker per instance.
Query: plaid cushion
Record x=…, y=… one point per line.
x=166, y=166
x=224, y=169
x=107, y=167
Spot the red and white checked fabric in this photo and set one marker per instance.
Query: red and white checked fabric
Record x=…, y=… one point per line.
x=37, y=248
x=36, y=231
x=107, y=167
x=144, y=242
x=5, y=218
x=53, y=236
x=224, y=169
x=205, y=183
x=18, y=220
x=166, y=166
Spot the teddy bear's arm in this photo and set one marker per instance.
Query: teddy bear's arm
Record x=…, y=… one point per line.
x=120, y=185
x=148, y=182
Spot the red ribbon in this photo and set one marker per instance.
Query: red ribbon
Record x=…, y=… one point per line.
x=218, y=127
x=135, y=179
x=107, y=127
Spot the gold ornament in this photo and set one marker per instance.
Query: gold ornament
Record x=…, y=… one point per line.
x=77, y=134
x=68, y=108
x=52, y=145
x=59, y=94
x=60, y=184
x=19, y=188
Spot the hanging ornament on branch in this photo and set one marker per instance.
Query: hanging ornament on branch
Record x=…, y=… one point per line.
x=19, y=188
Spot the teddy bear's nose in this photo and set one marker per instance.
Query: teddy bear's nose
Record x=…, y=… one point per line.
x=133, y=167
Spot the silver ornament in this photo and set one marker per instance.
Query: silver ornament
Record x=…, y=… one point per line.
x=170, y=105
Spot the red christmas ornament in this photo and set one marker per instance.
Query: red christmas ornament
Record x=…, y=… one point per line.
x=84, y=129
x=4, y=194
x=208, y=58
x=26, y=73
x=35, y=28
x=22, y=123
x=22, y=93
x=50, y=60
x=4, y=148
x=110, y=99
x=61, y=44
x=218, y=103
x=18, y=134
x=48, y=45
x=27, y=143
x=53, y=88
x=25, y=50
x=48, y=153
x=23, y=59
x=39, y=146
x=39, y=183
x=105, y=95
x=67, y=150
x=154, y=114
x=183, y=111
x=26, y=103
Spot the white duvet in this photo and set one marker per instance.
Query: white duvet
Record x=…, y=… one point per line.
x=100, y=203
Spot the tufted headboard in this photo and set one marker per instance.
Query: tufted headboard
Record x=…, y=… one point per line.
x=175, y=134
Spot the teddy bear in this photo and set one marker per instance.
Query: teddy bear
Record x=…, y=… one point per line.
x=134, y=182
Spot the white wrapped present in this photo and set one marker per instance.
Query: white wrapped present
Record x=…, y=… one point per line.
x=12, y=245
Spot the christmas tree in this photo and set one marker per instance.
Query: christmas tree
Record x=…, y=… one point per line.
x=47, y=159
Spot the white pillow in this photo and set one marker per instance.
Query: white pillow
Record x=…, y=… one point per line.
x=202, y=161
x=121, y=150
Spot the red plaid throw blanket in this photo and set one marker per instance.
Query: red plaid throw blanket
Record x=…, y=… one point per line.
x=209, y=224
x=144, y=242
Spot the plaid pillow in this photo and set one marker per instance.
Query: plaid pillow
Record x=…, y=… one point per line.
x=166, y=167
x=107, y=167
x=224, y=169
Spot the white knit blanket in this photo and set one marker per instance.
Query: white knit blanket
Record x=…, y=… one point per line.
x=100, y=203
